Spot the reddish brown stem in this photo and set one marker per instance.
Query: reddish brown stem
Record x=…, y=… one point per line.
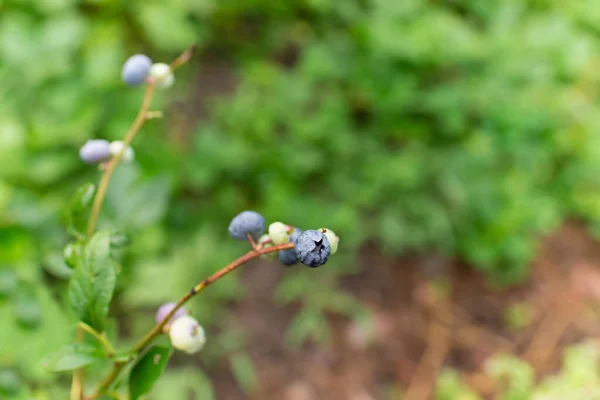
x=158, y=328
x=252, y=242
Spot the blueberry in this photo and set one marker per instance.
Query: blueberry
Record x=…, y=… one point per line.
x=312, y=248
x=163, y=74
x=187, y=335
x=117, y=146
x=135, y=70
x=288, y=257
x=247, y=222
x=279, y=232
x=165, y=309
x=94, y=151
x=333, y=239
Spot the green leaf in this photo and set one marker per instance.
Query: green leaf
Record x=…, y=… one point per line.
x=71, y=357
x=147, y=370
x=10, y=382
x=182, y=383
x=72, y=253
x=8, y=282
x=244, y=372
x=93, y=282
x=28, y=310
x=80, y=208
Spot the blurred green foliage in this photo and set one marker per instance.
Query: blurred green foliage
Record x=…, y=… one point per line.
x=459, y=125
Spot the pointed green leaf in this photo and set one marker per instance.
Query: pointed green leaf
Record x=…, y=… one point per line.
x=244, y=372
x=147, y=370
x=80, y=208
x=71, y=357
x=93, y=282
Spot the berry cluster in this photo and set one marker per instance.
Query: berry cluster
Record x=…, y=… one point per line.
x=98, y=151
x=311, y=247
x=137, y=69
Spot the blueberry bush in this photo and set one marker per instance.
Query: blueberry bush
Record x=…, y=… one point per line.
x=96, y=249
x=417, y=125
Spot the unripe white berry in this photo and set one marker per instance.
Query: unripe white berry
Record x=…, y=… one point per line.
x=333, y=239
x=116, y=147
x=280, y=232
x=187, y=335
x=163, y=75
x=265, y=241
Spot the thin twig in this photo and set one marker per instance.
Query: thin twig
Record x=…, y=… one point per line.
x=108, y=348
x=114, y=162
x=142, y=116
x=158, y=328
x=137, y=124
x=78, y=374
x=252, y=242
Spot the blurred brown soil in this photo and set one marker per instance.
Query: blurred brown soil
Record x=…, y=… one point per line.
x=419, y=329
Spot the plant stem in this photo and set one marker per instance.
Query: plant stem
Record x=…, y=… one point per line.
x=77, y=385
x=251, y=241
x=142, y=116
x=157, y=329
x=108, y=348
x=114, y=162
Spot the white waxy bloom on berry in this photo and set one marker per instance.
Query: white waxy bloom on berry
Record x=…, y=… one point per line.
x=333, y=239
x=116, y=147
x=94, y=151
x=187, y=335
x=163, y=75
x=280, y=232
x=135, y=70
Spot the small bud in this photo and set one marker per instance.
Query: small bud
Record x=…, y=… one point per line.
x=165, y=309
x=333, y=239
x=187, y=335
x=265, y=242
x=94, y=151
x=116, y=147
x=280, y=232
x=162, y=74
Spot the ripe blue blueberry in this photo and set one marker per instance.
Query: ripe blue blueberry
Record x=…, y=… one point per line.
x=247, y=222
x=312, y=248
x=288, y=257
x=94, y=151
x=135, y=70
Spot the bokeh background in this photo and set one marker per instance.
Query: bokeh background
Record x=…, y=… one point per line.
x=453, y=145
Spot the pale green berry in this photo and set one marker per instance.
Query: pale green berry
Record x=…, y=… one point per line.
x=187, y=335
x=280, y=232
x=333, y=239
x=117, y=146
x=265, y=241
x=163, y=75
